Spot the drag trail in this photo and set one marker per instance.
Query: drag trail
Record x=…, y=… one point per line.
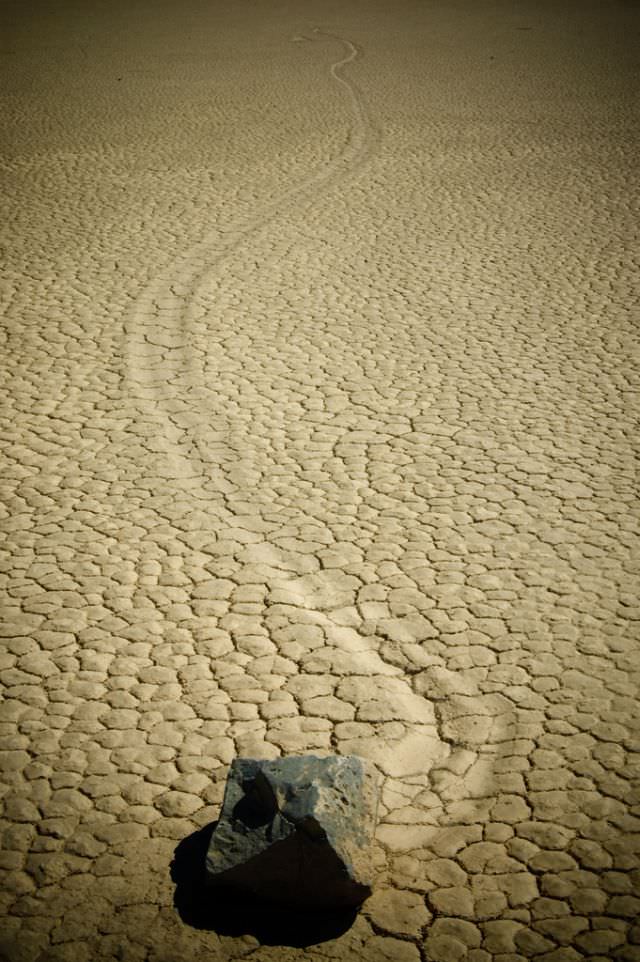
x=223, y=384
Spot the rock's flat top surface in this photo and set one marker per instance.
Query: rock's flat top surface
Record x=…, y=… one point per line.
x=297, y=830
x=319, y=400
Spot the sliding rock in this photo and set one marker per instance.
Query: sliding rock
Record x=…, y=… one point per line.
x=297, y=830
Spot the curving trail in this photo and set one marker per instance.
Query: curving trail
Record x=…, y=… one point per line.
x=388, y=676
x=176, y=347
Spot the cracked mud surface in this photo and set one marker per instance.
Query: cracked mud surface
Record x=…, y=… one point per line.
x=320, y=418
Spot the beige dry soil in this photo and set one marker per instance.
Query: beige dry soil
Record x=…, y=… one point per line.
x=319, y=409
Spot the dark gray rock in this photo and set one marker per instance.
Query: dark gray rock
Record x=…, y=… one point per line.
x=297, y=830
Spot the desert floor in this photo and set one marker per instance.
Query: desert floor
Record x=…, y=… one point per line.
x=320, y=437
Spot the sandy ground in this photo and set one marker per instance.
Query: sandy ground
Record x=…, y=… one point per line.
x=320, y=436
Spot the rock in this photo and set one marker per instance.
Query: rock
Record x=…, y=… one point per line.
x=297, y=830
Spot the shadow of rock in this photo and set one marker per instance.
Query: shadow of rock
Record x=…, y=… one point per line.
x=233, y=913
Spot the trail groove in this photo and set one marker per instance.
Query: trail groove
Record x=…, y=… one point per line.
x=182, y=353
